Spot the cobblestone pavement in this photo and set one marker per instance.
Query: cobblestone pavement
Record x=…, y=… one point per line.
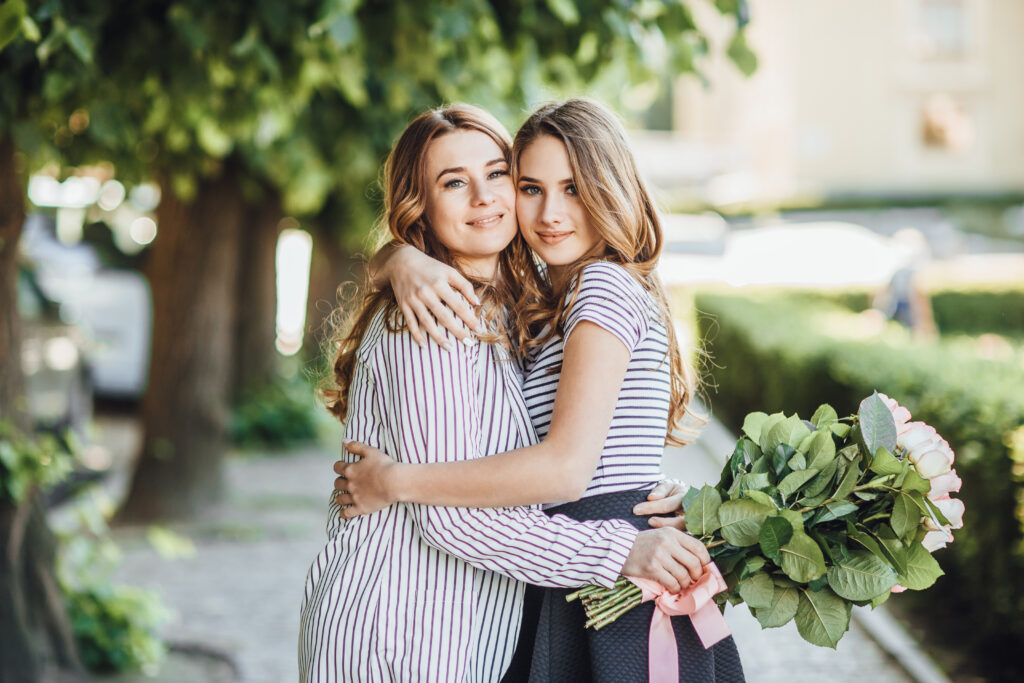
x=241, y=590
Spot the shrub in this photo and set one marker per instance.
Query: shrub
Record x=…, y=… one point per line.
x=275, y=416
x=776, y=354
x=976, y=311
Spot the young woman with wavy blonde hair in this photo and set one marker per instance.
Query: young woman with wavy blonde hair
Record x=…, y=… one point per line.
x=420, y=593
x=604, y=383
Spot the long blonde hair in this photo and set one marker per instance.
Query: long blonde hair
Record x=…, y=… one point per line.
x=622, y=212
x=404, y=218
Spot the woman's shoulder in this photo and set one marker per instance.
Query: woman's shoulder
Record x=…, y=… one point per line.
x=612, y=281
x=388, y=341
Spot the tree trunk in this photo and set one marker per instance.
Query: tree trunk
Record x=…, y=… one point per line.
x=193, y=273
x=12, y=218
x=255, y=354
x=34, y=627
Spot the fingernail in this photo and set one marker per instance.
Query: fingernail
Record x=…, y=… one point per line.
x=476, y=299
x=450, y=346
x=469, y=341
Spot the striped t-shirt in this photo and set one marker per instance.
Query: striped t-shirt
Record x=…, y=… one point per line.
x=420, y=593
x=615, y=300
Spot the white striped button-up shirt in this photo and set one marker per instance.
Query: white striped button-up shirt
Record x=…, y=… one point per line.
x=420, y=593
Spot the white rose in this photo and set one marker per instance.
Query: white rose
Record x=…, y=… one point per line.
x=933, y=540
x=944, y=484
x=952, y=509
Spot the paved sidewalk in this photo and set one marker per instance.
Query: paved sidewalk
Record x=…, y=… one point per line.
x=241, y=590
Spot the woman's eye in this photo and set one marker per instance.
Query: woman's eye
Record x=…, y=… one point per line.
x=529, y=189
x=571, y=189
x=458, y=182
x=497, y=174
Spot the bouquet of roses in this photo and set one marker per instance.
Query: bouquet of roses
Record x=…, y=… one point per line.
x=810, y=518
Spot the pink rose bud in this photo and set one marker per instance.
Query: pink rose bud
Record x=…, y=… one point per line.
x=898, y=588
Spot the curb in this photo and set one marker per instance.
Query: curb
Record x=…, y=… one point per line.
x=715, y=444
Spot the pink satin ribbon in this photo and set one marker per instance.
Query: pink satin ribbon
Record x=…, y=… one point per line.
x=696, y=601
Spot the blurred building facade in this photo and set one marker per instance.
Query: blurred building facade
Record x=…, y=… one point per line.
x=876, y=98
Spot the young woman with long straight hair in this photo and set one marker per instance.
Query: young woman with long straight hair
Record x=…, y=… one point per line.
x=419, y=593
x=605, y=385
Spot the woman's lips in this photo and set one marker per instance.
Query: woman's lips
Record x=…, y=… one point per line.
x=553, y=237
x=486, y=221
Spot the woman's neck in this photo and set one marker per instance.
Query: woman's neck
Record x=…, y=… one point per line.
x=483, y=268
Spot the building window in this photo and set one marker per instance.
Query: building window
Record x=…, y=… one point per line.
x=942, y=29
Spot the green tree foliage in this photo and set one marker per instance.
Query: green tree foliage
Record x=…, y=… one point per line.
x=308, y=94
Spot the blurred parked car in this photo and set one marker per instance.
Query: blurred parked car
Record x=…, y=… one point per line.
x=53, y=358
x=112, y=308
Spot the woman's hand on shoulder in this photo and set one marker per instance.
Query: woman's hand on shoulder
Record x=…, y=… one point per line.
x=363, y=486
x=431, y=295
x=665, y=499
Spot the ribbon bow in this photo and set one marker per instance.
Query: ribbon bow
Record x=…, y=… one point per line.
x=694, y=600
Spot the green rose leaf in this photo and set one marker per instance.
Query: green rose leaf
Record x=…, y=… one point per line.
x=797, y=462
x=766, y=427
x=834, y=510
x=802, y=560
x=789, y=431
x=862, y=576
x=793, y=481
x=877, y=426
x=915, y=482
x=752, y=424
x=691, y=493
x=821, y=451
x=760, y=497
x=849, y=481
x=783, y=608
x=906, y=517
x=757, y=591
x=741, y=521
x=702, y=513
x=795, y=519
x=894, y=549
x=824, y=415
x=822, y=617
x=922, y=569
x=824, y=478
x=775, y=533
x=840, y=429
x=885, y=462
x=751, y=566
x=754, y=481
x=880, y=599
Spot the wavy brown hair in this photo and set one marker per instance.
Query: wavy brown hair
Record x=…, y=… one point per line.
x=624, y=215
x=404, y=220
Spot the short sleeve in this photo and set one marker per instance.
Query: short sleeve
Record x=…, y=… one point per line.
x=613, y=299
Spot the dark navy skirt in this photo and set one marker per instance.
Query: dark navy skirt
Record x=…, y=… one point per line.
x=555, y=648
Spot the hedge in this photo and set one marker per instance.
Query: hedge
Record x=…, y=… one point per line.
x=776, y=353
x=976, y=311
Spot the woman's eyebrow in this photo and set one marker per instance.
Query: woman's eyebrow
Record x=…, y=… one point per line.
x=462, y=169
x=528, y=179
